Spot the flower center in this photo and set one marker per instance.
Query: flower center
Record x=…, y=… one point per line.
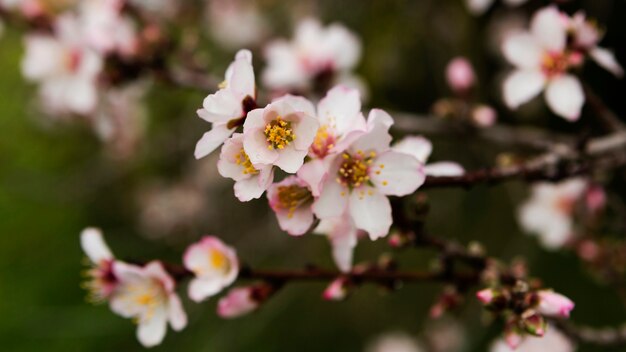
x=218, y=260
x=354, y=170
x=72, y=60
x=100, y=283
x=566, y=205
x=324, y=141
x=279, y=134
x=243, y=160
x=554, y=64
x=292, y=197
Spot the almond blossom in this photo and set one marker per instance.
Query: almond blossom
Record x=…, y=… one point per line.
x=341, y=122
x=66, y=69
x=554, y=304
x=553, y=340
x=281, y=133
x=542, y=62
x=478, y=7
x=214, y=265
x=360, y=179
x=147, y=294
x=291, y=201
x=235, y=23
x=420, y=148
x=237, y=302
x=548, y=213
x=250, y=180
x=103, y=281
x=315, y=53
x=106, y=29
x=227, y=108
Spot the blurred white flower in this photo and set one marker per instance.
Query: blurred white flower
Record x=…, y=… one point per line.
x=553, y=340
x=548, y=213
x=394, y=342
x=235, y=23
x=316, y=53
x=478, y=7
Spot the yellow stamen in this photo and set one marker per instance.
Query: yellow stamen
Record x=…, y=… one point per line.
x=279, y=133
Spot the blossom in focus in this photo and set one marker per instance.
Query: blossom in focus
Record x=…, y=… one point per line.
x=553, y=340
x=291, y=201
x=343, y=236
x=478, y=7
x=341, y=122
x=542, y=62
x=65, y=68
x=238, y=301
x=360, y=179
x=554, y=304
x=214, y=265
x=548, y=213
x=235, y=23
x=281, y=133
x=460, y=75
x=102, y=281
x=250, y=180
x=586, y=36
x=147, y=294
x=420, y=148
x=315, y=55
x=226, y=108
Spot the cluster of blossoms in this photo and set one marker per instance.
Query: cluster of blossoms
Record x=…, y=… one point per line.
x=545, y=56
x=341, y=166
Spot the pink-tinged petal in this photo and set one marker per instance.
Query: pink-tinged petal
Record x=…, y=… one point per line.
x=81, y=95
x=554, y=229
x=460, y=74
x=341, y=109
x=397, y=174
x=255, y=145
x=332, y=201
x=254, y=120
x=227, y=165
x=94, y=246
x=347, y=139
x=296, y=223
x=377, y=138
x=242, y=79
x=314, y=174
x=371, y=212
x=248, y=189
x=417, y=146
x=201, y=288
x=44, y=56
x=565, y=97
x=221, y=107
x=290, y=160
x=305, y=131
x=554, y=304
x=295, y=104
x=151, y=331
x=345, y=46
x=211, y=140
x=237, y=302
x=379, y=116
x=444, y=168
x=127, y=272
x=606, y=59
x=478, y=7
x=155, y=270
x=548, y=27
x=523, y=50
x=343, y=246
x=485, y=295
x=521, y=86
x=176, y=313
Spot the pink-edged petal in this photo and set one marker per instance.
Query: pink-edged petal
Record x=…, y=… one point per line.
x=521, y=86
x=606, y=59
x=523, y=50
x=565, y=97
x=201, y=288
x=371, y=212
x=290, y=160
x=549, y=28
x=176, y=313
x=416, y=146
x=221, y=107
x=255, y=145
x=94, y=246
x=151, y=331
x=211, y=140
x=305, y=131
x=332, y=201
x=444, y=168
x=295, y=103
x=248, y=189
x=298, y=222
x=156, y=270
x=314, y=174
x=397, y=174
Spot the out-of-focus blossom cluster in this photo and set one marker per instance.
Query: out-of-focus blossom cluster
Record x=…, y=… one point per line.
x=546, y=56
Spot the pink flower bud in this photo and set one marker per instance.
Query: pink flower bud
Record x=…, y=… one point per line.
x=534, y=323
x=460, y=74
x=239, y=301
x=337, y=290
x=484, y=116
x=595, y=198
x=588, y=250
x=486, y=295
x=554, y=304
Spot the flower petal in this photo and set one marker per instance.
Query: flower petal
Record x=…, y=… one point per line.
x=444, y=168
x=416, y=146
x=94, y=246
x=332, y=201
x=211, y=140
x=565, y=97
x=371, y=212
x=521, y=86
x=522, y=50
x=290, y=160
x=549, y=28
x=175, y=312
x=397, y=174
x=606, y=59
x=151, y=331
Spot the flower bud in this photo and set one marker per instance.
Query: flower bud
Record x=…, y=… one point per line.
x=338, y=290
x=240, y=301
x=484, y=116
x=533, y=323
x=460, y=75
x=554, y=304
x=486, y=296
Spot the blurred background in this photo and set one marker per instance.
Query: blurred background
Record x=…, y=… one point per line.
x=57, y=178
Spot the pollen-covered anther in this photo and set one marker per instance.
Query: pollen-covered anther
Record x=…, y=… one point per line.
x=554, y=64
x=243, y=160
x=354, y=170
x=291, y=197
x=279, y=133
x=324, y=141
